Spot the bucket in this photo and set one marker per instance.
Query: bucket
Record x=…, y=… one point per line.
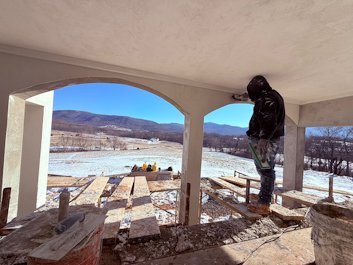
x=85, y=253
x=332, y=234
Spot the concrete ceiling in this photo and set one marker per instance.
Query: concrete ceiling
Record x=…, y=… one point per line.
x=304, y=47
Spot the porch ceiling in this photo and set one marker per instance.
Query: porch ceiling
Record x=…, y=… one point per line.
x=304, y=47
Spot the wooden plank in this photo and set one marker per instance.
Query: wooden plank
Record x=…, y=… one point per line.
x=236, y=207
x=229, y=186
x=241, y=182
x=58, y=182
x=19, y=242
x=257, y=179
x=143, y=219
x=164, y=185
x=93, y=192
x=301, y=197
x=285, y=213
x=116, y=207
x=60, y=245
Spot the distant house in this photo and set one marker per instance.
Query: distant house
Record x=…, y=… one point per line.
x=153, y=141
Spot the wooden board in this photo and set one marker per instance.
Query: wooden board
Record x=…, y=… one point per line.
x=236, y=207
x=164, y=185
x=91, y=195
x=257, y=179
x=301, y=197
x=62, y=244
x=58, y=182
x=285, y=213
x=229, y=186
x=19, y=242
x=143, y=219
x=241, y=182
x=116, y=207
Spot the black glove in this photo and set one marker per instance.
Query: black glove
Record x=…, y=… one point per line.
x=262, y=147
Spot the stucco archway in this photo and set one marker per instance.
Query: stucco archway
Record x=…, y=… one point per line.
x=28, y=139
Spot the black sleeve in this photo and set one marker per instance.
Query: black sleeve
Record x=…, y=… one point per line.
x=267, y=116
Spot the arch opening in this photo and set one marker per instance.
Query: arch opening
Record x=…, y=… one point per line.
x=34, y=107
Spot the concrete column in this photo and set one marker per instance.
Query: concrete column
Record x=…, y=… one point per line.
x=191, y=169
x=35, y=153
x=294, y=147
x=13, y=151
x=32, y=135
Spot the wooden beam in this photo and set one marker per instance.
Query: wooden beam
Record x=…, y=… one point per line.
x=91, y=195
x=285, y=213
x=116, y=207
x=301, y=197
x=143, y=218
x=4, y=210
x=164, y=185
x=60, y=245
x=227, y=185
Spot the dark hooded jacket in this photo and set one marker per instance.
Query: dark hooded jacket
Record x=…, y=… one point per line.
x=267, y=121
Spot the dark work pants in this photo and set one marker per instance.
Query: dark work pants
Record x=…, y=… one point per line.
x=268, y=176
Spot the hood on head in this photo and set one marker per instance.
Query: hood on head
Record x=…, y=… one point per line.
x=257, y=86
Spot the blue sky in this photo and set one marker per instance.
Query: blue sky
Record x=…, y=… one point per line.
x=123, y=100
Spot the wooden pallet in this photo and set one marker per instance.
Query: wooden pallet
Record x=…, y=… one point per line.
x=143, y=219
x=116, y=207
x=92, y=194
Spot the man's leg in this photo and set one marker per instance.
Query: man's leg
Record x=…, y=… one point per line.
x=268, y=177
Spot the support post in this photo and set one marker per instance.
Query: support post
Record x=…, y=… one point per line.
x=4, y=210
x=294, y=147
x=191, y=169
x=64, y=200
x=247, y=191
x=35, y=153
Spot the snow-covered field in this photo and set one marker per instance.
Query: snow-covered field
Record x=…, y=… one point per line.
x=165, y=154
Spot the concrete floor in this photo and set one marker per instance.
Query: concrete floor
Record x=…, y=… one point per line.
x=291, y=248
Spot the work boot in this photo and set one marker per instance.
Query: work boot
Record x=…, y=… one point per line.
x=259, y=208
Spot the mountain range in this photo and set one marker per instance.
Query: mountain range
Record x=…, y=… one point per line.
x=129, y=123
